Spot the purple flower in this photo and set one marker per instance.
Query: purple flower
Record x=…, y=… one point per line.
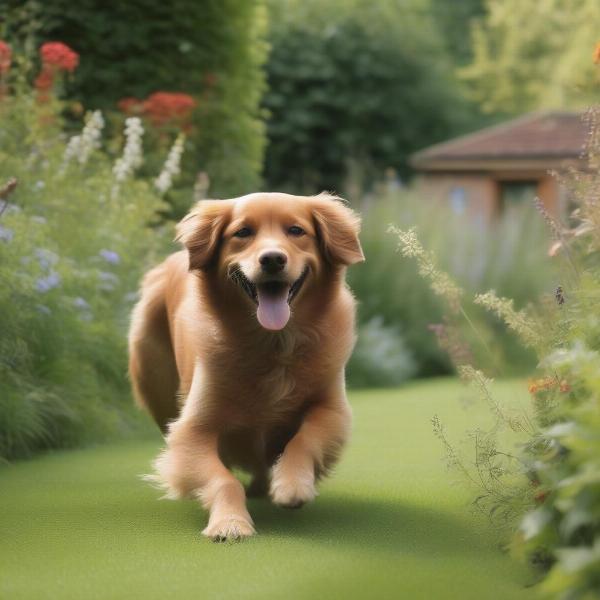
x=45, y=257
x=110, y=256
x=43, y=309
x=108, y=281
x=81, y=303
x=45, y=284
x=6, y=234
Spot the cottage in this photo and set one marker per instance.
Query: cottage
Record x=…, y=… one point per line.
x=485, y=173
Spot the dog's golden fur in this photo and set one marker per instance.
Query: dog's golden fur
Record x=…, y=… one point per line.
x=225, y=390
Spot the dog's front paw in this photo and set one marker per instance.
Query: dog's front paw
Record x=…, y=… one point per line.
x=230, y=528
x=292, y=490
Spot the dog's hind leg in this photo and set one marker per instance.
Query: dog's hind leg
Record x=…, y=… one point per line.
x=152, y=367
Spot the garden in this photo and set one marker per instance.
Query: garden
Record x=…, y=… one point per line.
x=474, y=465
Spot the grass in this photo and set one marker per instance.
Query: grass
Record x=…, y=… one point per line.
x=389, y=524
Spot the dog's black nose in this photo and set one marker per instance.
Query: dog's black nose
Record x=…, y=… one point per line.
x=272, y=261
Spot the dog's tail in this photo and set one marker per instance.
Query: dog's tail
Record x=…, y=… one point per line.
x=152, y=367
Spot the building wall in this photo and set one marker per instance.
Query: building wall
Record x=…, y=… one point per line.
x=479, y=195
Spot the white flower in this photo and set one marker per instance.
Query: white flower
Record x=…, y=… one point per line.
x=80, y=147
x=90, y=136
x=172, y=166
x=132, y=157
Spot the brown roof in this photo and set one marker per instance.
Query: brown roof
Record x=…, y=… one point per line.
x=540, y=137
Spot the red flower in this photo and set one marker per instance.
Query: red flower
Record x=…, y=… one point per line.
x=58, y=56
x=167, y=107
x=5, y=58
x=131, y=106
x=44, y=81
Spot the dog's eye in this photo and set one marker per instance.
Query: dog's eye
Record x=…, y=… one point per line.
x=244, y=232
x=295, y=230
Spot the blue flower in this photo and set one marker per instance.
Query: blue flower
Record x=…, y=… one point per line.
x=45, y=284
x=81, y=303
x=110, y=256
x=45, y=257
x=6, y=234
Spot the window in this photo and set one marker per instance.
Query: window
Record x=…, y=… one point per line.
x=513, y=193
x=458, y=200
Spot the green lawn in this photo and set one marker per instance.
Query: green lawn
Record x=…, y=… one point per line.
x=388, y=524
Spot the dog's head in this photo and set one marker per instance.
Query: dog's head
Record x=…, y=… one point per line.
x=271, y=247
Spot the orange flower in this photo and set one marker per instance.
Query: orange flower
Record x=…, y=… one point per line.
x=597, y=54
x=547, y=383
x=540, y=384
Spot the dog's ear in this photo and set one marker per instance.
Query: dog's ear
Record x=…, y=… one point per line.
x=200, y=231
x=337, y=230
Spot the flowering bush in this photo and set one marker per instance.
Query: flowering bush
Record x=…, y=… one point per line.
x=162, y=109
x=76, y=232
x=56, y=57
x=548, y=485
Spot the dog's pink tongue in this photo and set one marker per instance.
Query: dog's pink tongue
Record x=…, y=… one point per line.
x=273, y=309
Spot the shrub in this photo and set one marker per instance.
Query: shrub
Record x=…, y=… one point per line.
x=551, y=483
x=75, y=235
x=211, y=50
x=380, y=357
x=509, y=256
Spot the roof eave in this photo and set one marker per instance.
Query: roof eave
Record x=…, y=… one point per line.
x=524, y=163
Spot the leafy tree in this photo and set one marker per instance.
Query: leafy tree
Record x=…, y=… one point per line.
x=354, y=88
x=533, y=55
x=454, y=20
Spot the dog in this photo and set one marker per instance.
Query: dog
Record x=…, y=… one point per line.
x=238, y=347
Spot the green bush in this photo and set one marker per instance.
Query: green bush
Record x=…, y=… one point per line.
x=537, y=468
x=561, y=533
x=353, y=86
x=74, y=241
x=211, y=50
x=380, y=358
x=509, y=256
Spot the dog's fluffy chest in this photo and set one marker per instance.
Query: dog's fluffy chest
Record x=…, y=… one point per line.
x=270, y=380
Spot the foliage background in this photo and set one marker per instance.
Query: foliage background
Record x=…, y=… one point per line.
x=545, y=64
x=211, y=50
x=355, y=87
x=71, y=256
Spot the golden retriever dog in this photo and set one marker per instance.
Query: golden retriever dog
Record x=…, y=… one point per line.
x=238, y=346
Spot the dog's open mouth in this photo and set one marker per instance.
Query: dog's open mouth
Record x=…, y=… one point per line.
x=272, y=298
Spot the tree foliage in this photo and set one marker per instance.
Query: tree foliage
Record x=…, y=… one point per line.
x=534, y=55
x=354, y=87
